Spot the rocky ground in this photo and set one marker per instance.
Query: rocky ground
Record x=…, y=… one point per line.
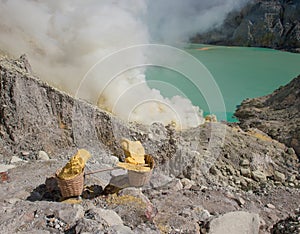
x=216, y=178
x=277, y=114
x=261, y=23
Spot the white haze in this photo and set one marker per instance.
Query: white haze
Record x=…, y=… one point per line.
x=173, y=21
x=64, y=39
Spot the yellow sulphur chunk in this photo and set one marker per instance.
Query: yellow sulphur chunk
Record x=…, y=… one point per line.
x=133, y=150
x=84, y=154
x=132, y=167
x=131, y=160
x=75, y=166
x=140, y=159
x=72, y=201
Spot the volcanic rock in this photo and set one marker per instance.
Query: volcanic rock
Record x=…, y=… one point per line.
x=277, y=114
x=278, y=176
x=30, y=202
x=259, y=176
x=42, y=155
x=235, y=223
x=261, y=23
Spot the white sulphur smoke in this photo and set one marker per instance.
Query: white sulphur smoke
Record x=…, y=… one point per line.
x=64, y=39
x=173, y=21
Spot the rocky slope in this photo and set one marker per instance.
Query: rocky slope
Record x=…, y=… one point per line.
x=205, y=177
x=277, y=114
x=262, y=23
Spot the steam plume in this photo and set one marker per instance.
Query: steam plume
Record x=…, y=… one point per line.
x=172, y=21
x=64, y=39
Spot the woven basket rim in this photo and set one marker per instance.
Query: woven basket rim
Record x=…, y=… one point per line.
x=59, y=170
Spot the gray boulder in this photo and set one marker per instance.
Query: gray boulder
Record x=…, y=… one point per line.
x=235, y=223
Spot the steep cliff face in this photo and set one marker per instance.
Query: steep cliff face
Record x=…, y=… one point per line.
x=36, y=116
x=262, y=23
x=277, y=114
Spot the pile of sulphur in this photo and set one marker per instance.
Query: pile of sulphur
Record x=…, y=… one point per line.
x=135, y=156
x=75, y=166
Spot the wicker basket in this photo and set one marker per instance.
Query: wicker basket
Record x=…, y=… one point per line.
x=138, y=178
x=72, y=187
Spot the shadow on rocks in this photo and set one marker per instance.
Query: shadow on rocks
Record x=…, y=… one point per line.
x=48, y=191
x=92, y=191
x=116, y=184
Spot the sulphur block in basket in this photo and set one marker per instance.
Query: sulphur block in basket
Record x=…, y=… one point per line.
x=133, y=167
x=132, y=160
x=134, y=151
x=84, y=154
x=75, y=166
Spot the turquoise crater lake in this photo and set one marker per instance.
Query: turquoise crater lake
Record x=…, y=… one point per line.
x=240, y=73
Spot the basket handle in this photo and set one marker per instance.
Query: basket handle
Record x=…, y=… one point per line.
x=101, y=170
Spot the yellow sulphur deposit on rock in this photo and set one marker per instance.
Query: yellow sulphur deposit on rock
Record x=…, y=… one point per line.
x=135, y=157
x=132, y=167
x=131, y=160
x=75, y=166
x=134, y=151
x=72, y=201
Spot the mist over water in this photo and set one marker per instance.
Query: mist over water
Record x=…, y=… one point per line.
x=175, y=21
x=65, y=39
